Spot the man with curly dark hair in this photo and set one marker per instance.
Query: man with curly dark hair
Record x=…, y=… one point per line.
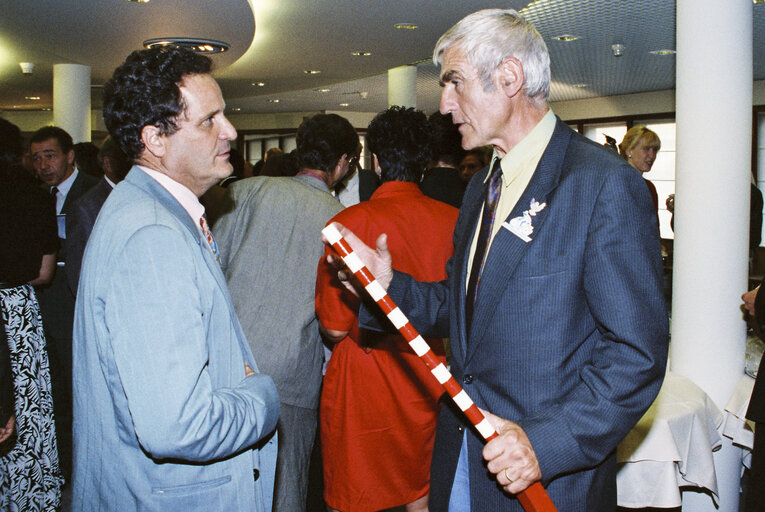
x=379, y=405
x=170, y=410
x=269, y=247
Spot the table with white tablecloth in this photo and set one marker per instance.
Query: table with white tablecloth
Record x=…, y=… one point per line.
x=671, y=446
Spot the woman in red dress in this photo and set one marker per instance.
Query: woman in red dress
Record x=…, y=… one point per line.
x=379, y=403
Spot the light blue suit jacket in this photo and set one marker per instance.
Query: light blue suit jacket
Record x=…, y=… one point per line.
x=164, y=418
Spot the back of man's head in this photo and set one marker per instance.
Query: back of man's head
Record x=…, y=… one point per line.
x=63, y=139
x=402, y=140
x=490, y=36
x=447, y=141
x=10, y=144
x=145, y=90
x=113, y=160
x=323, y=139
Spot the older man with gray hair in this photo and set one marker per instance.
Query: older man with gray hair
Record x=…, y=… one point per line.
x=553, y=301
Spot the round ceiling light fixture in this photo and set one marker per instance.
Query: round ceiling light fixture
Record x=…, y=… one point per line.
x=190, y=43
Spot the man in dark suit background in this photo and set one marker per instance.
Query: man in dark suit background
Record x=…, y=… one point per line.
x=553, y=301
x=755, y=494
x=441, y=180
x=53, y=159
x=79, y=223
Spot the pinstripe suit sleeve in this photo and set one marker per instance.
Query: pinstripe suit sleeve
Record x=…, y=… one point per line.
x=622, y=283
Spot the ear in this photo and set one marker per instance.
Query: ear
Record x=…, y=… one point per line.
x=70, y=157
x=376, y=165
x=153, y=141
x=510, y=76
x=336, y=174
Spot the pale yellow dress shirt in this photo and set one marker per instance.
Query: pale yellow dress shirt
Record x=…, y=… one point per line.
x=518, y=165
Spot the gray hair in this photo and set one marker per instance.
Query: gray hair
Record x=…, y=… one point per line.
x=490, y=36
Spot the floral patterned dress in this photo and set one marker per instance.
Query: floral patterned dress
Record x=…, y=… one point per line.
x=30, y=479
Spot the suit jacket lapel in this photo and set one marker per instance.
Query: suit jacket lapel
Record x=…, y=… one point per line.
x=507, y=249
x=472, y=203
x=142, y=180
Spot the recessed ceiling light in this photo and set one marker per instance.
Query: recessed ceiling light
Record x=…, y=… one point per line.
x=193, y=44
x=31, y=97
x=46, y=109
x=665, y=51
x=322, y=89
x=275, y=100
x=579, y=86
x=361, y=54
x=344, y=104
x=236, y=109
x=566, y=38
x=138, y=1
x=311, y=71
x=406, y=26
x=258, y=84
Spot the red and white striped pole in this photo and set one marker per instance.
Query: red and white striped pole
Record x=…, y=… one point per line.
x=534, y=498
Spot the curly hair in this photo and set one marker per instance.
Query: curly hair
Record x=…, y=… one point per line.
x=323, y=139
x=145, y=91
x=402, y=139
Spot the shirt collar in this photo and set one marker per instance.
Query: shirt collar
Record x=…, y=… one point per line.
x=110, y=182
x=188, y=200
x=64, y=186
x=529, y=149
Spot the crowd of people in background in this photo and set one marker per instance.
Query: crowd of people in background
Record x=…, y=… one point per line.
x=176, y=333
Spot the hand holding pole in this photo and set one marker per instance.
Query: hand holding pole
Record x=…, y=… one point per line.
x=534, y=498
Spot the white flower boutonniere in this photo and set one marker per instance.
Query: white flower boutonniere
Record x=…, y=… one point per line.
x=521, y=226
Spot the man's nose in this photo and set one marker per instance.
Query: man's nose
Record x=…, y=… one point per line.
x=446, y=104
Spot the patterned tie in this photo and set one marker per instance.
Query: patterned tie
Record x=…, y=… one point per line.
x=54, y=192
x=484, y=234
x=209, y=237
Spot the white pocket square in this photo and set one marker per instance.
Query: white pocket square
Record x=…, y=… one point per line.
x=521, y=226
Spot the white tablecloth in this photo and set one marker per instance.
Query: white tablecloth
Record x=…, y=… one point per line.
x=734, y=425
x=671, y=446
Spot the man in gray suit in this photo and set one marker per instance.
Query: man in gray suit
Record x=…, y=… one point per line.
x=53, y=159
x=270, y=244
x=170, y=412
x=80, y=222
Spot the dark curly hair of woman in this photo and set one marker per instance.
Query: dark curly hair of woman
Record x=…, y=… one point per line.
x=145, y=91
x=402, y=139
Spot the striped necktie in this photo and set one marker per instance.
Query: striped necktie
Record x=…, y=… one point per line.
x=209, y=237
x=484, y=235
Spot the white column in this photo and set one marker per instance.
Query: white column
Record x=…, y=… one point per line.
x=402, y=86
x=71, y=100
x=714, y=134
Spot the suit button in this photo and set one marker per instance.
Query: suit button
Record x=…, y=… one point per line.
x=255, y=474
x=467, y=379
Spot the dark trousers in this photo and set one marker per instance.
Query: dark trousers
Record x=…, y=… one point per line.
x=755, y=495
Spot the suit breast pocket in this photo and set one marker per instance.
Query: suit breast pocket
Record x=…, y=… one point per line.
x=536, y=268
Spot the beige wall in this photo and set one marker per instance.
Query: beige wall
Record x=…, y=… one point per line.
x=30, y=121
x=608, y=106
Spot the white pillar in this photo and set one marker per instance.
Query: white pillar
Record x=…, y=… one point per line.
x=714, y=134
x=402, y=86
x=71, y=100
